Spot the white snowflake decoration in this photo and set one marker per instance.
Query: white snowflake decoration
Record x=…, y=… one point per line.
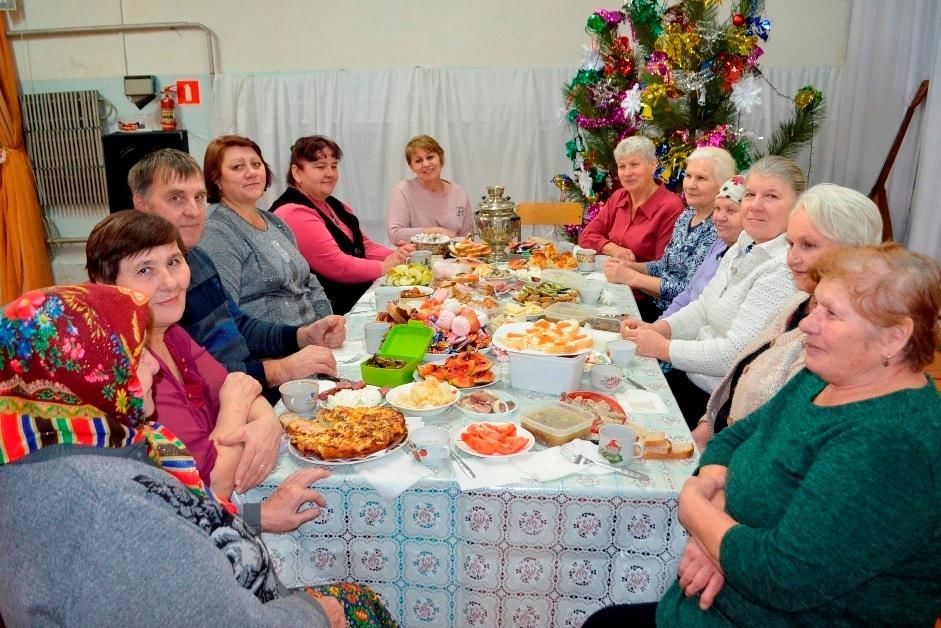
x=591, y=57
x=746, y=93
x=564, y=116
x=631, y=102
x=584, y=182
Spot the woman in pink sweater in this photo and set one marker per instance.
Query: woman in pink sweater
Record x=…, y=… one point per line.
x=428, y=203
x=345, y=260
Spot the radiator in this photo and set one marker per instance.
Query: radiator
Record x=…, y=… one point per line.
x=63, y=139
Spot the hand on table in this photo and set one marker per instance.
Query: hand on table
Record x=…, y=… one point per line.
x=699, y=575
x=617, y=271
x=618, y=251
x=649, y=341
x=329, y=331
x=311, y=360
x=281, y=512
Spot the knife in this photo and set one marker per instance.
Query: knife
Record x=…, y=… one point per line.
x=637, y=475
x=463, y=465
x=330, y=378
x=634, y=383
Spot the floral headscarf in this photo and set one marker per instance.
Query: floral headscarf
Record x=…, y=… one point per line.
x=68, y=376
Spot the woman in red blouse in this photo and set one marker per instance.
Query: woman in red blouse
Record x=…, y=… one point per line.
x=345, y=260
x=636, y=222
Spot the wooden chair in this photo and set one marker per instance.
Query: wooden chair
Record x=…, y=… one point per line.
x=558, y=213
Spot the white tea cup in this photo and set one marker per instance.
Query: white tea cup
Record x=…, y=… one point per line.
x=606, y=377
x=586, y=259
x=300, y=395
x=621, y=352
x=386, y=295
x=431, y=445
x=619, y=445
x=373, y=334
x=590, y=291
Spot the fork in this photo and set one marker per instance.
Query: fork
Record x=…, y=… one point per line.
x=579, y=459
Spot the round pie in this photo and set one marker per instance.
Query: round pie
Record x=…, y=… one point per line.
x=342, y=433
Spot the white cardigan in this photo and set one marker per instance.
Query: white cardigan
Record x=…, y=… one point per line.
x=746, y=293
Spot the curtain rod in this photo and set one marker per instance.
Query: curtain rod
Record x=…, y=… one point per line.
x=123, y=28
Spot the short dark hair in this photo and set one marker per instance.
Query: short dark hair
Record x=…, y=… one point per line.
x=169, y=164
x=121, y=235
x=212, y=163
x=311, y=148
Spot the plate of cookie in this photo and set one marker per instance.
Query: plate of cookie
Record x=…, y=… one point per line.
x=343, y=435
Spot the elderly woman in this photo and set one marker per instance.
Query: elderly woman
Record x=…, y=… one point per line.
x=750, y=288
x=636, y=222
x=112, y=526
x=826, y=216
x=328, y=234
x=727, y=217
x=259, y=263
x=693, y=235
x=821, y=508
x=428, y=203
x=210, y=409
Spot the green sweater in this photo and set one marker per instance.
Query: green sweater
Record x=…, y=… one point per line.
x=839, y=511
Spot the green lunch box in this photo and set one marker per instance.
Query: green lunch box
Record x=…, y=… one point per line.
x=407, y=342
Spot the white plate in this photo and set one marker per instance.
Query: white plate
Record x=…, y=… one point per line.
x=496, y=379
x=333, y=463
x=382, y=399
x=498, y=335
x=519, y=431
x=393, y=395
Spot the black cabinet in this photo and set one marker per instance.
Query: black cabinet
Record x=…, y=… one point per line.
x=123, y=150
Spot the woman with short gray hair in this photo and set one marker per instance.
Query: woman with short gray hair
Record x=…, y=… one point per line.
x=636, y=221
x=825, y=217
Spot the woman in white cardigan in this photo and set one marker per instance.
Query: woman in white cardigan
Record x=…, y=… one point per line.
x=751, y=286
x=826, y=216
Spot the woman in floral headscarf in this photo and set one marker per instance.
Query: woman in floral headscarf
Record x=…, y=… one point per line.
x=111, y=524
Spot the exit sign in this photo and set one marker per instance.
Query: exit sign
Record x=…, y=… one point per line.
x=187, y=92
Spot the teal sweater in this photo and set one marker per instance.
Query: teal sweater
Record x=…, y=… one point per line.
x=840, y=513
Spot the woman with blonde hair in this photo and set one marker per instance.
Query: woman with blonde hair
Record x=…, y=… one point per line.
x=428, y=203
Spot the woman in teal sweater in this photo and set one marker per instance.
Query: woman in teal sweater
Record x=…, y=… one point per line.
x=823, y=507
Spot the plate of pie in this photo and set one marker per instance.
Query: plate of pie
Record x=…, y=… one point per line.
x=346, y=435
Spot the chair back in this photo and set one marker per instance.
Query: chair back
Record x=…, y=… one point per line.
x=549, y=213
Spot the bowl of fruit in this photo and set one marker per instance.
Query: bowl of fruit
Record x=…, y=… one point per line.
x=408, y=275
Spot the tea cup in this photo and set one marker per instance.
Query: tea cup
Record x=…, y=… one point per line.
x=373, y=334
x=300, y=395
x=619, y=445
x=621, y=352
x=420, y=257
x=386, y=295
x=590, y=291
x=585, y=259
x=607, y=377
x=430, y=445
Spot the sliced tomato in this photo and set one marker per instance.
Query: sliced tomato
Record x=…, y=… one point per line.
x=478, y=444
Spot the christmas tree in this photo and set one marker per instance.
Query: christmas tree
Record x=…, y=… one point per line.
x=681, y=78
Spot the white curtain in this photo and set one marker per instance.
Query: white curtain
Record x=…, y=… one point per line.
x=893, y=46
x=497, y=126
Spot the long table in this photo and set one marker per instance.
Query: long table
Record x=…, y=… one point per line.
x=527, y=555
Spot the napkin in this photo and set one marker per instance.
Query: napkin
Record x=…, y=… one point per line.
x=641, y=402
x=550, y=464
x=351, y=351
x=394, y=474
x=488, y=471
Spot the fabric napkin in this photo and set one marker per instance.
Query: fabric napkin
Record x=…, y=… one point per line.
x=550, y=464
x=351, y=351
x=394, y=474
x=641, y=401
x=489, y=472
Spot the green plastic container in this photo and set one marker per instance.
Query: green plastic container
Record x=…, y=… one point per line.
x=407, y=342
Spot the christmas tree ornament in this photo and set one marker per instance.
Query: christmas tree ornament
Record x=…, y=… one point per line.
x=740, y=43
x=758, y=27
x=738, y=20
x=595, y=24
x=631, y=104
x=591, y=57
x=807, y=96
x=746, y=93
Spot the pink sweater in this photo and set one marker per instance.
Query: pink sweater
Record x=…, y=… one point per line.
x=321, y=251
x=190, y=408
x=414, y=207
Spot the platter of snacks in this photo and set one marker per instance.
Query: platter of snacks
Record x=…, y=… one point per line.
x=530, y=310
x=469, y=248
x=427, y=398
x=437, y=243
x=541, y=253
x=466, y=371
x=544, y=338
x=604, y=408
x=546, y=293
x=345, y=435
x=487, y=405
x=494, y=440
x=408, y=275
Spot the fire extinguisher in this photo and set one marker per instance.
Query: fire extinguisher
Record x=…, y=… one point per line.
x=167, y=110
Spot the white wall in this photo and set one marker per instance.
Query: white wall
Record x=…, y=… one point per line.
x=275, y=36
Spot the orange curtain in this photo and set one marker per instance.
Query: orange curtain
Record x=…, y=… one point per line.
x=24, y=264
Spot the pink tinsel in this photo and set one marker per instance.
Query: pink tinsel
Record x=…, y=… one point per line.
x=610, y=17
x=657, y=64
x=752, y=60
x=715, y=137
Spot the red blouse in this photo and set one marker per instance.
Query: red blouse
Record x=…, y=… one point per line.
x=647, y=234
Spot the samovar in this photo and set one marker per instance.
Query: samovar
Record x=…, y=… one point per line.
x=497, y=223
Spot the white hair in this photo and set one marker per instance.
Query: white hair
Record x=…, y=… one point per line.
x=635, y=145
x=842, y=214
x=723, y=164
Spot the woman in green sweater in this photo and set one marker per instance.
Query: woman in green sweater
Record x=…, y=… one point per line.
x=824, y=507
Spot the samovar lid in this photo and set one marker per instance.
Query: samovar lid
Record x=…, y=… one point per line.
x=495, y=201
